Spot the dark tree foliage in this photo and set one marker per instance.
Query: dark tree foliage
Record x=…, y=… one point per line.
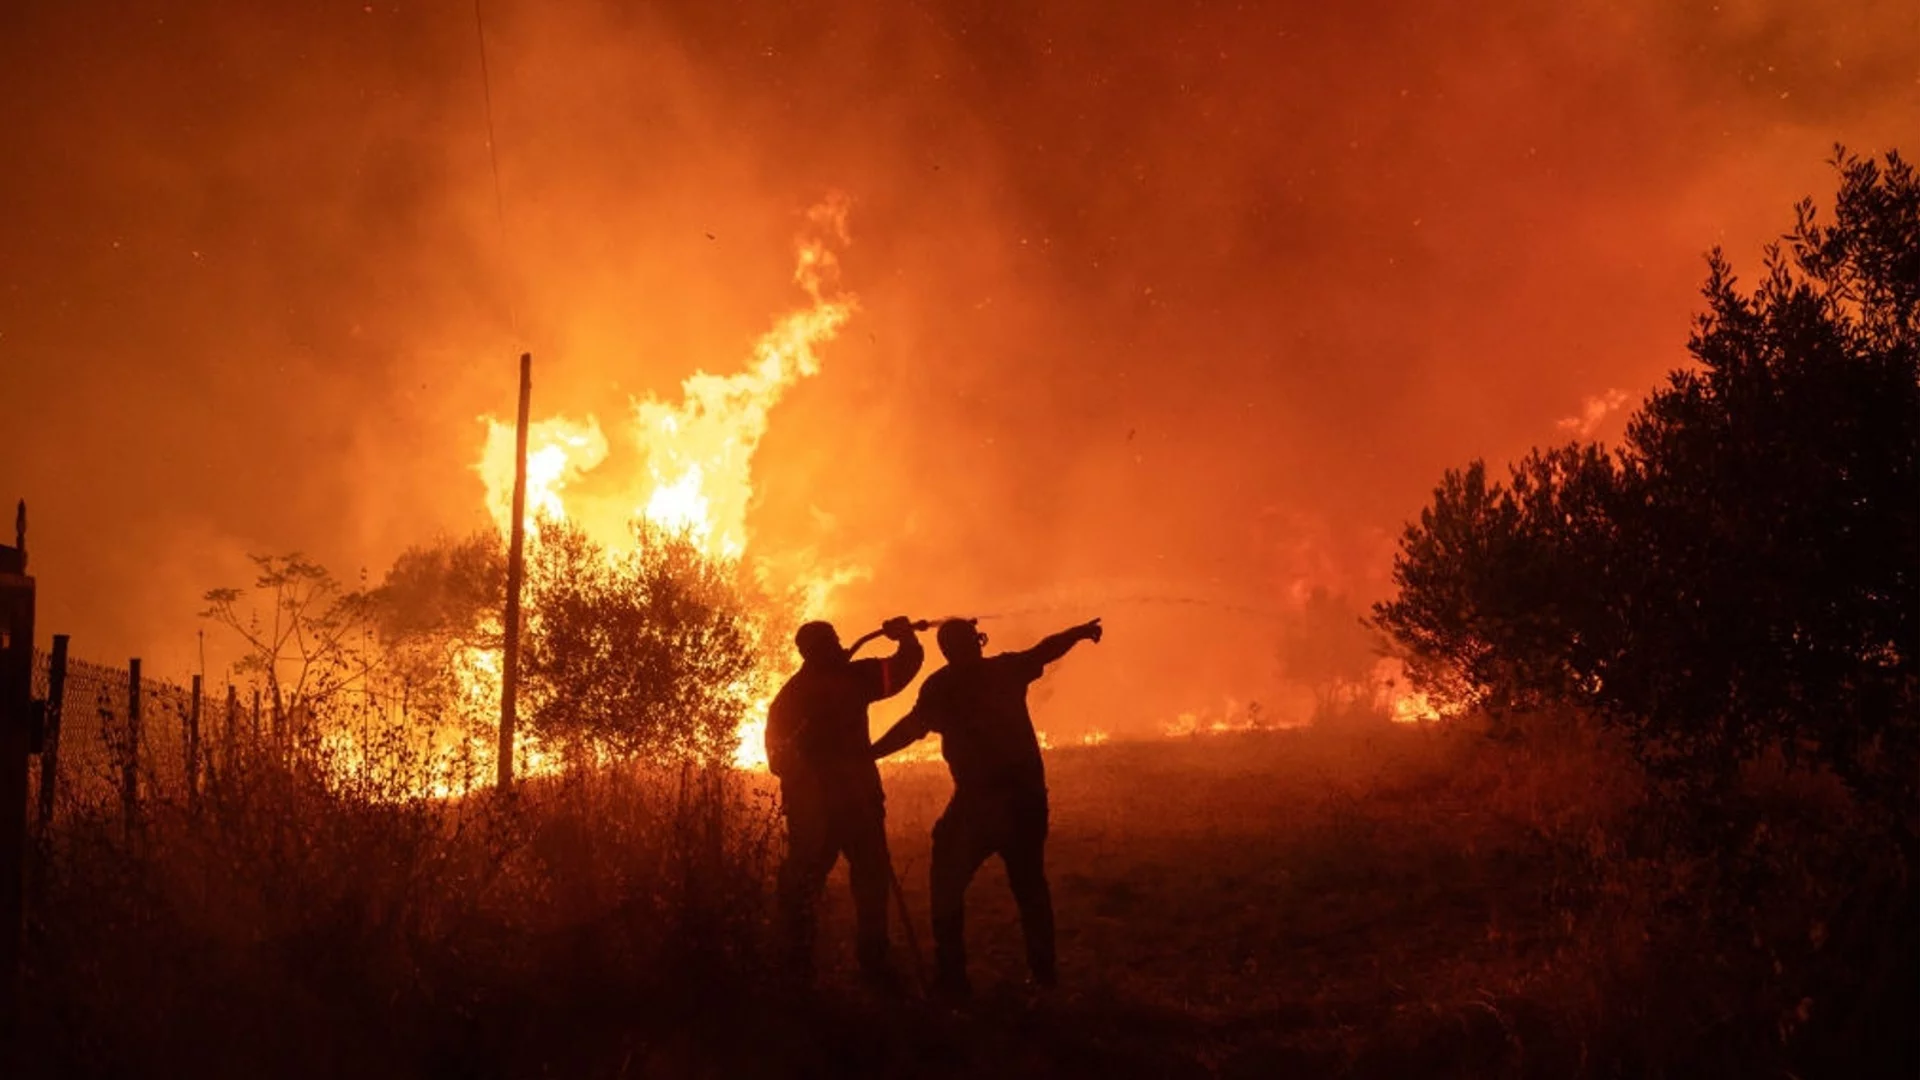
x=443, y=588
x=1743, y=575
x=438, y=601
x=652, y=653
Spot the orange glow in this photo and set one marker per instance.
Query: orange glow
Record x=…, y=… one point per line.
x=1392, y=690
x=1412, y=709
x=1220, y=324
x=559, y=452
x=698, y=452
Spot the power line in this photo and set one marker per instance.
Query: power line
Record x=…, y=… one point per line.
x=493, y=153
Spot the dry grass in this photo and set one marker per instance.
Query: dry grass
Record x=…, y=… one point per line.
x=1392, y=902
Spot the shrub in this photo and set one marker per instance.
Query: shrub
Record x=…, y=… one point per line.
x=1739, y=578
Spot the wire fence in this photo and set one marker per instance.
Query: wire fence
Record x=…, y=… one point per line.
x=117, y=741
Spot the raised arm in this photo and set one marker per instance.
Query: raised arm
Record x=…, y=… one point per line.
x=904, y=664
x=1055, y=646
x=910, y=729
x=893, y=673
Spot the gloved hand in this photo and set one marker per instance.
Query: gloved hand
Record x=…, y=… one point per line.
x=1090, y=630
x=899, y=628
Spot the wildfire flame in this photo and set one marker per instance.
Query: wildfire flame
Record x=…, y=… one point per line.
x=559, y=452
x=698, y=451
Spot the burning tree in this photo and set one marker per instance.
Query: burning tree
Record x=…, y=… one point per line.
x=1740, y=576
x=644, y=625
x=696, y=484
x=437, y=607
x=654, y=651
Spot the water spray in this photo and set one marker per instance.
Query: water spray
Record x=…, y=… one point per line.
x=1049, y=609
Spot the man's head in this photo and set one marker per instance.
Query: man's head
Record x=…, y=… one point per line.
x=819, y=643
x=960, y=640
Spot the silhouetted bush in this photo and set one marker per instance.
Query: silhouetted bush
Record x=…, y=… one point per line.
x=1738, y=579
x=653, y=652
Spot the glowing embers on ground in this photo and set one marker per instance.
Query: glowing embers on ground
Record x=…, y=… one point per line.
x=1384, y=695
x=1230, y=719
x=928, y=749
x=1412, y=708
x=1394, y=694
x=698, y=453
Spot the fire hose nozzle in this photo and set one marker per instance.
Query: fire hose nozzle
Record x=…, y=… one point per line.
x=918, y=625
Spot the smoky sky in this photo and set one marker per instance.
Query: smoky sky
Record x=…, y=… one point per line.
x=1168, y=312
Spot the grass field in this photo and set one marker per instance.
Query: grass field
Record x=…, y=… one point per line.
x=1241, y=904
x=1383, y=901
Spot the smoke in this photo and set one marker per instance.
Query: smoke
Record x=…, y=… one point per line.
x=1173, y=301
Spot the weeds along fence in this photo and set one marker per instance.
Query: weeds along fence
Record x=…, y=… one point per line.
x=118, y=742
x=119, y=739
x=151, y=779
x=191, y=881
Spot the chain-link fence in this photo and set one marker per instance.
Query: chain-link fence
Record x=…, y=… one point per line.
x=114, y=742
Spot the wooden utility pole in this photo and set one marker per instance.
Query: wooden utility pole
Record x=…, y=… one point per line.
x=16, y=743
x=516, y=571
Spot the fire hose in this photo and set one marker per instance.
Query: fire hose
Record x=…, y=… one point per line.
x=893, y=878
x=906, y=924
x=1048, y=609
x=917, y=624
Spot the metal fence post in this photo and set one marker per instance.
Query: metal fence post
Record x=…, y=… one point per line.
x=50, y=744
x=193, y=747
x=16, y=741
x=130, y=763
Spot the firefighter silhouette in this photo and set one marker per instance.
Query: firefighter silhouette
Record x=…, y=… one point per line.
x=978, y=705
x=818, y=747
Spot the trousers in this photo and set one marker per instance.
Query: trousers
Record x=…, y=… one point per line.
x=975, y=826
x=822, y=825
